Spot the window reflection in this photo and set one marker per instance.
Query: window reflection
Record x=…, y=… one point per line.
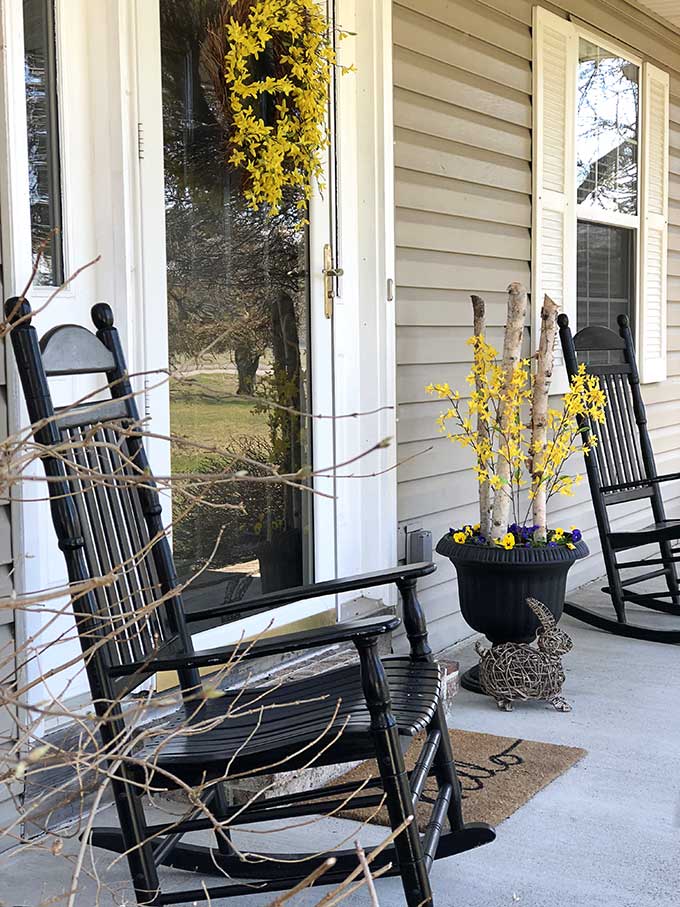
x=607, y=130
x=44, y=180
x=238, y=307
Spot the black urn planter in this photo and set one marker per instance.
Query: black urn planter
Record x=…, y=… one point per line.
x=494, y=584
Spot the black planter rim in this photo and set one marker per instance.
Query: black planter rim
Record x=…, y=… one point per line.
x=496, y=555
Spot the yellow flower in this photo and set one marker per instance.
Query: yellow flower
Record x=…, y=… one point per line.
x=508, y=541
x=285, y=154
x=493, y=424
x=570, y=546
x=459, y=538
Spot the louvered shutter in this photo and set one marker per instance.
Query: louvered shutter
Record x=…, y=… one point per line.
x=654, y=225
x=554, y=173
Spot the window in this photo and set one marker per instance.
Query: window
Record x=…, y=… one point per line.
x=605, y=277
x=43, y=139
x=600, y=186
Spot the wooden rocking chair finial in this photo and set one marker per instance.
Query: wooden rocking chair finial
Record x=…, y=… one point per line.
x=18, y=310
x=102, y=316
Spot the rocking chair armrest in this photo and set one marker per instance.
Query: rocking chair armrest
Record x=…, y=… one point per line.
x=652, y=480
x=361, y=629
x=238, y=610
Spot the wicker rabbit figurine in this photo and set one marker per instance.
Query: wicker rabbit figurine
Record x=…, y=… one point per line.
x=517, y=671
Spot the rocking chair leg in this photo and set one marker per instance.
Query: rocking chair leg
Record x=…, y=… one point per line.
x=219, y=809
x=408, y=846
x=140, y=857
x=445, y=770
x=615, y=586
x=444, y=763
x=671, y=576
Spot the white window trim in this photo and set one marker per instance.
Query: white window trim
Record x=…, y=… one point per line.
x=652, y=368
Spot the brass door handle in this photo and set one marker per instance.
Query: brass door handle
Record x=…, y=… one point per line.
x=330, y=273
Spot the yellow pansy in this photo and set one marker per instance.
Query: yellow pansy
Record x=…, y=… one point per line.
x=508, y=541
x=459, y=538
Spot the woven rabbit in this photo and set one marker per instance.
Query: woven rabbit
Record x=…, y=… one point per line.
x=518, y=671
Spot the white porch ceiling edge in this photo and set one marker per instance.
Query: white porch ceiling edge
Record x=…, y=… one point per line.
x=666, y=9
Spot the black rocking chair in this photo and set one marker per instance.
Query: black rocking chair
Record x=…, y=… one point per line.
x=622, y=469
x=107, y=516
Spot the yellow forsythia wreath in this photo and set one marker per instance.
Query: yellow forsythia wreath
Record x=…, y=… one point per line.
x=277, y=63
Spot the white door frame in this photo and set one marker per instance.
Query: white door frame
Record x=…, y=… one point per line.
x=365, y=364
x=109, y=209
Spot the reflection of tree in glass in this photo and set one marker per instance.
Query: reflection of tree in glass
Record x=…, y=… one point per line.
x=608, y=109
x=237, y=284
x=226, y=263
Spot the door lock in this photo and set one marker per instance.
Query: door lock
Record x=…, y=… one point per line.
x=330, y=273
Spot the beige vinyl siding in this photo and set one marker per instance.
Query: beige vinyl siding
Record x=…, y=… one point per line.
x=462, y=108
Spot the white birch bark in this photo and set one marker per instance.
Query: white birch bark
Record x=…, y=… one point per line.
x=485, y=503
x=512, y=348
x=545, y=357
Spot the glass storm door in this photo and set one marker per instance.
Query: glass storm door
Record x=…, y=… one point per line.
x=249, y=345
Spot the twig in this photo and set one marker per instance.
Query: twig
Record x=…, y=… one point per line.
x=350, y=891
x=307, y=882
x=330, y=898
x=479, y=316
x=367, y=873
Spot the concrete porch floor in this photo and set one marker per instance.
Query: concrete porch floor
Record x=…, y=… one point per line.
x=605, y=834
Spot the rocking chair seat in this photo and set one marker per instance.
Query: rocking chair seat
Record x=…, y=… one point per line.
x=663, y=531
x=320, y=720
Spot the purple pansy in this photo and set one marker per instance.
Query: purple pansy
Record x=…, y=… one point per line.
x=525, y=536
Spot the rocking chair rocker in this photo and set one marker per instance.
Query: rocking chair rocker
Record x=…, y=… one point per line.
x=622, y=469
x=107, y=516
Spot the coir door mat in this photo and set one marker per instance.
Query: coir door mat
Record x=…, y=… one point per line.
x=497, y=774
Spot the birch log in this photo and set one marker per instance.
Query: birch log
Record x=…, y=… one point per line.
x=545, y=357
x=479, y=321
x=512, y=348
